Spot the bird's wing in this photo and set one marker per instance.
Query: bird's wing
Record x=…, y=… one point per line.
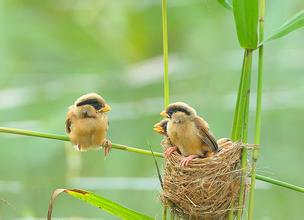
x=205, y=135
x=68, y=121
x=68, y=124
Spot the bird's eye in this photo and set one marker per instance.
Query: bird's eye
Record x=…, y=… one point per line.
x=170, y=112
x=97, y=106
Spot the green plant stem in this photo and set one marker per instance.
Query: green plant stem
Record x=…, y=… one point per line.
x=135, y=150
x=165, y=212
x=172, y=216
x=258, y=120
x=166, y=69
x=244, y=94
x=240, y=121
x=65, y=138
x=280, y=183
x=238, y=106
x=242, y=126
x=165, y=52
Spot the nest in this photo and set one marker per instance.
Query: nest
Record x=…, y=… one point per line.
x=207, y=187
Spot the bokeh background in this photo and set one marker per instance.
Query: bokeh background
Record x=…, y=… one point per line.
x=52, y=52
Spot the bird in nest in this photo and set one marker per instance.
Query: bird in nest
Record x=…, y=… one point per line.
x=87, y=123
x=188, y=133
x=161, y=127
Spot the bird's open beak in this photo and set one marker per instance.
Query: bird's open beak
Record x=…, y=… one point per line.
x=158, y=128
x=106, y=108
x=164, y=114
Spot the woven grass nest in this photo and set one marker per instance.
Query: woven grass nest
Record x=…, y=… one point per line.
x=207, y=187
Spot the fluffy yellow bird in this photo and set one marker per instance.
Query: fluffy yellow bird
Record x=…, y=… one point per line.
x=87, y=123
x=188, y=133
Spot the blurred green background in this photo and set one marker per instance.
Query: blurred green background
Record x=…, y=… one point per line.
x=51, y=52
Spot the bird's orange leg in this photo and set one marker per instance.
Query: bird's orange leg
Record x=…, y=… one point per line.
x=169, y=151
x=107, y=145
x=185, y=161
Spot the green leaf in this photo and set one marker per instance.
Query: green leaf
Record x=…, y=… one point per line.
x=246, y=15
x=292, y=24
x=226, y=3
x=100, y=202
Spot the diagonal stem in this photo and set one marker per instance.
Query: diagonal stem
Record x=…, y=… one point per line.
x=135, y=150
x=65, y=138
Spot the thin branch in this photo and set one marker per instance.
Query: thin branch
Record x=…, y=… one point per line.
x=279, y=183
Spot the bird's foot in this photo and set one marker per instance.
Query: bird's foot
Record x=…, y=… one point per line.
x=107, y=145
x=169, y=151
x=185, y=161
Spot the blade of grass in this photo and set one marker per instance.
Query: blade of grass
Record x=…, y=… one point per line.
x=100, y=202
x=157, y=169
x=246, y=21
x=133, y=150
x=292, y=24
x=258, y=118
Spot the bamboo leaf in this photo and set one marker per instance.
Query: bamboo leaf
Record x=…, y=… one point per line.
x=246, y=15
x=100, y=202
x=226, y=3
x=292, y=24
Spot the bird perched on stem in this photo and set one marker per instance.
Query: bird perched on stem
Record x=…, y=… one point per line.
x=188, y=133
x=87, y=123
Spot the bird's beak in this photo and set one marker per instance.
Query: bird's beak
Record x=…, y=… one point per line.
x=158, y=128
x=164, y=114
x=106, y=108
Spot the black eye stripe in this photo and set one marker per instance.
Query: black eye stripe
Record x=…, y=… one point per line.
x=178, y=109
x=93, y=102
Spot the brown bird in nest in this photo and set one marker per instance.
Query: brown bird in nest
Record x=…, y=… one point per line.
x=87, y=123
x=161, y=127
x=188, y=133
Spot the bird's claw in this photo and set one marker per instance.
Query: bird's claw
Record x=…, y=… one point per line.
x=107, y=145
x=185, y=161
x=169, y=151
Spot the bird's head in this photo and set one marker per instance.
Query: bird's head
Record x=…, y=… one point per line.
x=179, y=112
x=161, y=127
x=94, y=100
